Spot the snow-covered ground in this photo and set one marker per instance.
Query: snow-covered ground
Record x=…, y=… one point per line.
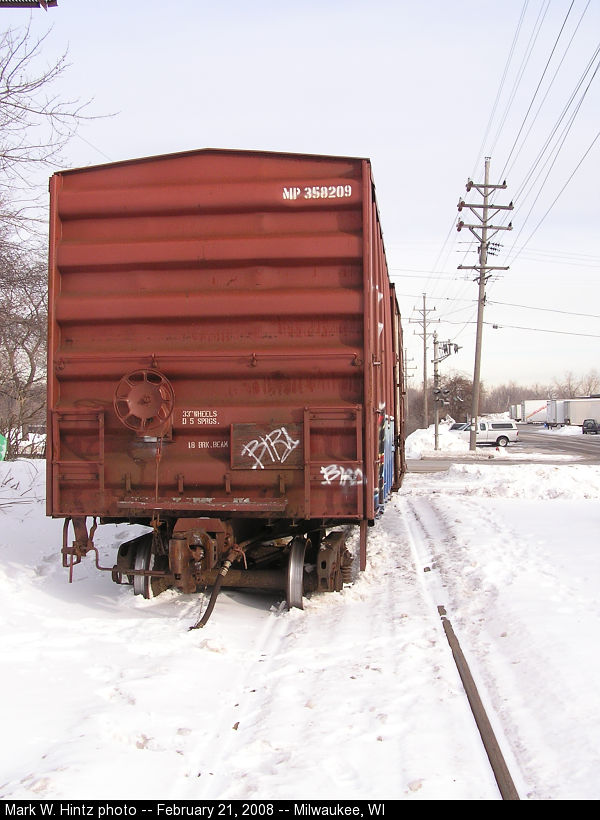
x=109, y=696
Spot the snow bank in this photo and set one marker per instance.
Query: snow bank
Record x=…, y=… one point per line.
x=109, y=696
x=533, y=481
x=421, y=443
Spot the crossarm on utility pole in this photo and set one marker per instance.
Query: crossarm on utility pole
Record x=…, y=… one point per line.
x=486, y=231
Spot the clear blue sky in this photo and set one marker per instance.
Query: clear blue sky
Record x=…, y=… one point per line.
x=425, y=90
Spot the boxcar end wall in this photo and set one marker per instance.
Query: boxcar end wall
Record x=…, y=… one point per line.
x=224, y=342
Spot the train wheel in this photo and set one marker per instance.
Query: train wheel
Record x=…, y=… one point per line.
x=149, y=585
x=295, y=584
x=333, y=562
x=144, y=561
x=338, y=583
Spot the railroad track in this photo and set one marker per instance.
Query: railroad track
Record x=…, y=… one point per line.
x=423, y=525
x=277, y=668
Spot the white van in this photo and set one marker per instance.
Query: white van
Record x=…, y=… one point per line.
x=495, y=432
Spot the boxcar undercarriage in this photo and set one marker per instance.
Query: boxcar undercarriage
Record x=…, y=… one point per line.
x=189, y=554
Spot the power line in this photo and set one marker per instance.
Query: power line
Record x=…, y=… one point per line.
x=501, y=86
x=562, y=39
x=544, y=330
x=502, y=326
x=435, y=298
x=557, y=148
x=532, y=41
x=442, y=277
x=535, y=93
x=559, y=143
x=95, y=147
x=559, y=257
x=559, y=193
x=546, y=310
x=551, y=83
x=551, y=257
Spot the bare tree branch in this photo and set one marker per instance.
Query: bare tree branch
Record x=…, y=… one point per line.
x=36, y=122
x=23, y=325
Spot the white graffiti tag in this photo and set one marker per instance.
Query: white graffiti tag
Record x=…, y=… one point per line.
x=274, y=447
x=334, y=473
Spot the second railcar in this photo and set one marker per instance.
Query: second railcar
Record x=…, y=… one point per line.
x=224, y=367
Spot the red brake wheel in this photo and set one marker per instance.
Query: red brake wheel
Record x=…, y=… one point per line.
x=144, y=401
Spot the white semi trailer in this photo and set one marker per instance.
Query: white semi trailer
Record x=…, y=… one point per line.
x=515, y=412
x=576, y=410
x=556, y=412
x=534, y=411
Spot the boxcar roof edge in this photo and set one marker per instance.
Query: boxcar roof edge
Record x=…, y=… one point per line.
x=192, y=151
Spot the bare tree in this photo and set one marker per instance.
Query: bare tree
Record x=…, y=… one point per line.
x=35, y=124
x=459, y=396
x=498, y=399
x=23, y=323
x=568, y=387
x=35, y=121
x=590, y=383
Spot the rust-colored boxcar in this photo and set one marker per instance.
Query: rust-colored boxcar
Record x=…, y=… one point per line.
x=224, y=365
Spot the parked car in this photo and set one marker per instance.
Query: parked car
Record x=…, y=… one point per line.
x=499, y=433
x=589, y=426
x=459, y=425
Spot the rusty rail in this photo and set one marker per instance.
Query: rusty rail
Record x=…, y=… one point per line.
x=492, y=748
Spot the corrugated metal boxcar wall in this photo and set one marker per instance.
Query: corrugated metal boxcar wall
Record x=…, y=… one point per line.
x=221, y=329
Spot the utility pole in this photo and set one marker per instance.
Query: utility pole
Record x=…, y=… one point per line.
x=423, y=320
x=481, y=232
x=440, y=395
x=436, y=393
x=407, y=367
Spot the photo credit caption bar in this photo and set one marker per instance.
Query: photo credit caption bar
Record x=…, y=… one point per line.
x=166, y=809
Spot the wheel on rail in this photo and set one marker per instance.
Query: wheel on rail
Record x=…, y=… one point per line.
x=295, y=573
x=145, y=559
